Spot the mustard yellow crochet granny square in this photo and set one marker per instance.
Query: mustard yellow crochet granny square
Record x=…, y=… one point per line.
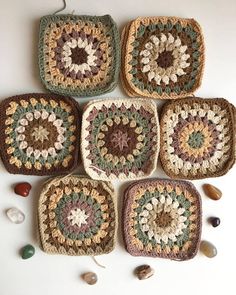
x=162, y=57
x=197, y=138
x=162, y=218
x=77, y=216
x=79, y=55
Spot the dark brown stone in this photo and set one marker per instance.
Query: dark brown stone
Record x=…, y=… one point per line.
x=144, y=272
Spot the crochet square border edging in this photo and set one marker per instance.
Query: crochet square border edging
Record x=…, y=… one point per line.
x=79, y=55
x=162, y=218
x=39, y=134
x=77, y=216
x=197, y=138
x=120, y=139
x=162, y=57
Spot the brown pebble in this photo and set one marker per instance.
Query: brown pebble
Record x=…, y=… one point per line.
x=208, y=249
x=212, y=192
x=90, y=278
x=144, y=272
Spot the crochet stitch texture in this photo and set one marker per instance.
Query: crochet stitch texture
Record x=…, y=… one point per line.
x=120, y=138
x=162, y=218
x=197, y=138
x=162, y=57
x=39, y=134
x=77, y=216
x=79, y=55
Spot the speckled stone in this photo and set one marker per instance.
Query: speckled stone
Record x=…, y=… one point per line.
x=212, y=192
x=208, y=249
x=90, y=278
x=144, y=272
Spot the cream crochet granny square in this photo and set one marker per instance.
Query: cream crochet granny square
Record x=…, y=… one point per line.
x=120, y=138
x=197, y=138
x=162, y=57
x=162, y=218
x=77, y=216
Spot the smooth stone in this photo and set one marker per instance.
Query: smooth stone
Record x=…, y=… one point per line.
x=90, y=278
x=214, y=221
x=15, y=215
x=27, y=252
x=23, y=189
x=208, y=249
x=144, y=272
x=212, y=192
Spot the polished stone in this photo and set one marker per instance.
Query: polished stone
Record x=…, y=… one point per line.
x=22, y=189
x=90, y=278
x=212, y=192
x=15, y=215
x=27, y=252
x=214, y=221
x=144, y=272
x=208, y=249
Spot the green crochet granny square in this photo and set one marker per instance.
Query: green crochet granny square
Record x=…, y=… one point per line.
x=79, y=55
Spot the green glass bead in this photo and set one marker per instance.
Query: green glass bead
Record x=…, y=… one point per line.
x=27, y=252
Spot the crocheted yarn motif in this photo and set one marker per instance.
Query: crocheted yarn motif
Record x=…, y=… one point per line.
x=197, y=138
x=77, y=216
x=162, y=218
x=39, y=134
x=79, y=55
x=120, y=138
x=162, y=57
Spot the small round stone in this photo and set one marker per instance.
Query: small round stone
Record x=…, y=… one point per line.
x=144, y=272
x=22, y=189
x=27, y=252
x=214, y=221
x=15, y=215
x=212, y=192
x=90, y=278
x=208, y=249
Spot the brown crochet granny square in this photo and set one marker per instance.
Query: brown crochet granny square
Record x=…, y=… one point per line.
x=39, y=134
x=162, y=57
x=77, y=216
x=120, y=138
x=162, y=218
x=197, y=138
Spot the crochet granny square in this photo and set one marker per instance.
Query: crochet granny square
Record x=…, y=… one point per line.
x=162, y=218
x=77, y=216
x=39, y=134
x=79, y=55
x=120, y=138
x=162, y=57
x=197, y=138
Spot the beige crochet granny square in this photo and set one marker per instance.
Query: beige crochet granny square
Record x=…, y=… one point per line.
x=77, y=216
x=120, y=138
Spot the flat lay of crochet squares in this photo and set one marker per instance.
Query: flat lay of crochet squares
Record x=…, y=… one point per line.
x=117, y=147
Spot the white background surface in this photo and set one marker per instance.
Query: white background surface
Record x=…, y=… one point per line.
x=45, y=274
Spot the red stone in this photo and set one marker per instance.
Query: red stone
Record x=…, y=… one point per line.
x=22, y=189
